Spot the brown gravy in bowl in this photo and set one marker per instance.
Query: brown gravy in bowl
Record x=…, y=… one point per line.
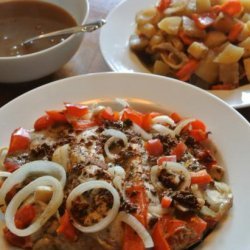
x=22, y=19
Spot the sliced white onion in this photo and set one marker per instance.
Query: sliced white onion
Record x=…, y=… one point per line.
x=3, y=153
x=138, y=228
x=163, y=130
x=181, y=125
x=112, y=213
x=174, y=167
x=117, y=171
x=34, y=168
x=157, y=210
x=163, y=119
x=123, y=102
x=4, y=174
x=138, y=130
x=115, y=136
x=23, y=194
x=61, y=156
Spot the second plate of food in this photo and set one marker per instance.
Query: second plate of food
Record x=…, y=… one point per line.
x=115, y=47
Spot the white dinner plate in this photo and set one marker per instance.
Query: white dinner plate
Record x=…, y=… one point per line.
x=230, y=131
x=114, y=45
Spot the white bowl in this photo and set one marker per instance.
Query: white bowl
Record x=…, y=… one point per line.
x=36, y=65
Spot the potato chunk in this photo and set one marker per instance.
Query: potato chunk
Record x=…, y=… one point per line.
x=197, y=50
x=247, y=68
x=208, y=70
x=214, y=39
x=161, y=68
x=229, y=73
x=203, y=5
x=230, y=54
x=246, y=5
x=170, y=25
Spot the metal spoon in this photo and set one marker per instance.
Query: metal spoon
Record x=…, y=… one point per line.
x=77, y=29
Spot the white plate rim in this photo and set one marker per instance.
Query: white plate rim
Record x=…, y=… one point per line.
x=122, y=60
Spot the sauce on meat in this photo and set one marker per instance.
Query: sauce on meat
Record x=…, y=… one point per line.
x=20, y=20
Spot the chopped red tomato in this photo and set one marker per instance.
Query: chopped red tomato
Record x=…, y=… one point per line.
x=162, y=159
x=202, y=21
x=231, y=7
x=20, y=140
x=66, y=228
x=83, y=124
x=158, y=235
x=14, y=240
x=76, y=110
x=137, y=195
x=132, y=115
x=57, y=116
x=43, y=123
x=201, y=177
x=179, y=150
x=10, y=165
x=147, y=120
x=166, y=201
x=154, y=147
x=162, y=5
x=24, y=216
x=176, y=117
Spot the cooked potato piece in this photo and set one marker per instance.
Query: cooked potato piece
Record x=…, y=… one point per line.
x=190, y=7
x=247, y=68
x=229, y=73
x=224, y=24
x=245, y=44
x=156, y=39
x=214, y=39
x=231, y=54
x=197, y=50
x=190, y=29
x=244, y=33
x=137, y=43
x=246, y=5
x=147, y=16
x=203, y=6
x=170, y=25
x=245, y=18
x=147, y=30
x=208, y=70
x=160, y=68
x=43, y=193
x=176, y=6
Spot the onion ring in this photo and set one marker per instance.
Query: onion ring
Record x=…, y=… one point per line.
x=162, y=119
x=138, y=228
x=181, y=125
x=37, y=168
x=23, y=194
x=137, y=129
x=111, y=213
x=163, y=130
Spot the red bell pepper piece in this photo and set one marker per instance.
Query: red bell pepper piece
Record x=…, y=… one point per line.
x=179, y=150
x=132, y=115
x=76, y=110
x=43, y=122
x=20, y=140
x=66, y=228
x=154, y=147
x=24, y=216
x=201, y=177
x=162, y=5
x=231, y=7
x=137, y=196
x=187, y=70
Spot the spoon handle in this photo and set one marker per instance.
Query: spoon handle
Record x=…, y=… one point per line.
x=77, y=29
